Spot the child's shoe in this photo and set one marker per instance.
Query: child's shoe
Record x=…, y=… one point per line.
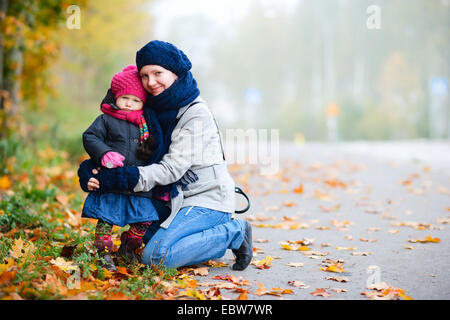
x=131, y=240
x=104, y=247
x=128, y=246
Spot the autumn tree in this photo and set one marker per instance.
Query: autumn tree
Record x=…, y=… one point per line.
x=107, y=41
x=28, y=46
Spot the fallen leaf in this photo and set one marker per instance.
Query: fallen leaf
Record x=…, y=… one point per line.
x=328, y=262
x=298, y=284
x=117, y=296
x=368, y=240
x=318, y=194
x=320, y=292
x=63, y=264
x=333, y=268
x=261, y=289
x=274, y=291
x=215, y=264
x=330, y=209
x=123, y=271
x=315, y=254
x=346, y=248
x=339, y=290
x=295, y=264
x=201, y=271
x=427, y=239
x=238, y=281
x=264, y=263
x=16, y=249
x=299, y=189
x=335, y=183
x=444, y=190
x=289, y=203
x=338, y=279
x=63, y=199
x=361, y=253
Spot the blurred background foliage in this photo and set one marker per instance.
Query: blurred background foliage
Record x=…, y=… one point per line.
x=315, y=70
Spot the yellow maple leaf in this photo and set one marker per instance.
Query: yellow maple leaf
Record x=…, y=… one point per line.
x=16, y=249
x=267, y=261
x=63, y=264
x=333, y=268
x=294, y=247
x=193, y=293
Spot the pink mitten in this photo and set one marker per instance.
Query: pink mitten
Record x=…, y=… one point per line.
x=112, y=159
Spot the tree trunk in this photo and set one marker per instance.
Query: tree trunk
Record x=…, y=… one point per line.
x=3, y=9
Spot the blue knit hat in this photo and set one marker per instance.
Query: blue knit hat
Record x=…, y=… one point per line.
x=163, y=54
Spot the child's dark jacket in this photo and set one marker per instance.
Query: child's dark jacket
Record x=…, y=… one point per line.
x=119, y=207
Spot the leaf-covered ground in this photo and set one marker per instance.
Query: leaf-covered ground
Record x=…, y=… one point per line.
x=329, y=225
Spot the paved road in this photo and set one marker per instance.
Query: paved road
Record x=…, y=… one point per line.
x=379, y=196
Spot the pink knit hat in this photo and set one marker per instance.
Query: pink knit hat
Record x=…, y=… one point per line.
x=128, y=82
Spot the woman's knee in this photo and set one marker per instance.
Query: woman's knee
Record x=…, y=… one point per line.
x=153, y=253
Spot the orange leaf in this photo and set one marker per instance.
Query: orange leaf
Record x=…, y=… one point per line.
x=299, y=189
x=261, y=290
x=243, y=296
x=117, y=296
x=289, y=203
x=321, y=293
x=333, y=268
x=63, y=199
x=5, y=183
x=427, y=239
x=123, y=270
x=334, y=183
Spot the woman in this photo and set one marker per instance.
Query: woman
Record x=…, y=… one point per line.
x=191, y=166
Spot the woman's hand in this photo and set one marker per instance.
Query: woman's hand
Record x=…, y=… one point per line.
x=86, y=172
x=92, y=178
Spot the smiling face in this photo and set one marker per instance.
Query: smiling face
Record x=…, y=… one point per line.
x=155, y=79
x=128, y=102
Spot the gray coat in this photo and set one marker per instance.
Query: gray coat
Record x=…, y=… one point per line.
x=196, y=146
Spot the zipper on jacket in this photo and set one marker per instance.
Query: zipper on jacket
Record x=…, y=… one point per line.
x=189, y=210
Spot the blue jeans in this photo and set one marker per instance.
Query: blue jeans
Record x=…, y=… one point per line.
x=195, y=235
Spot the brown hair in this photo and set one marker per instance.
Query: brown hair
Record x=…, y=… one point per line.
x=146, y=148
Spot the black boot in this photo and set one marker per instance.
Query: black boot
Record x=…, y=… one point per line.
x=106, y=261
x=104, y=245
x=244, y=254
x=104, y=249
x=127, y=249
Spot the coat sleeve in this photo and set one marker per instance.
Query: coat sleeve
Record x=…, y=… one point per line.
x=94, y=140
x=189, y=143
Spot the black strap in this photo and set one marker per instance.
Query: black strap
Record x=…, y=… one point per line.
x=239, y=190
x=236, y=189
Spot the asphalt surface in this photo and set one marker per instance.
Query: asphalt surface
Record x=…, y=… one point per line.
x=362, y=203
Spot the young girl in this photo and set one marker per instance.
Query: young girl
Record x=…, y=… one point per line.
x=120, y=137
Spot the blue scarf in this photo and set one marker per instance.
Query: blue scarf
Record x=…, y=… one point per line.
x=161, y=111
